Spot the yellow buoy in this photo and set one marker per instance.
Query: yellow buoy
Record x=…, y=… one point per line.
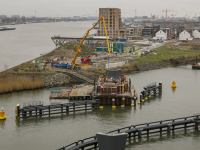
x=149, y=96
x=101, y=107
x=2, y=114
x=113, y=106
x=132, y=105
x=122, y=106
x=173, y=84
x=138, y=102
x=146, y=98
x=142, y=100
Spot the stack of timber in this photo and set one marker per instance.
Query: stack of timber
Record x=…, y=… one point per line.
x=114, y=88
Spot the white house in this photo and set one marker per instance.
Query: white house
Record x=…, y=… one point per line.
x=196, y=34
x=185, y=36
x=160, y=35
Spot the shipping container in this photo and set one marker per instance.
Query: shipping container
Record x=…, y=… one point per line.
x=100, y=49
x=122, y=40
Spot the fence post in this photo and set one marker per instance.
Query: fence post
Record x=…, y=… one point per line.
x=67, y=108
x=160, y=87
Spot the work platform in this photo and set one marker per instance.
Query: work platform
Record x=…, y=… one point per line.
x=81, y=92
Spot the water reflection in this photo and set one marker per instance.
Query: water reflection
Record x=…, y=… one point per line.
x=2, y=123
x=151, y=139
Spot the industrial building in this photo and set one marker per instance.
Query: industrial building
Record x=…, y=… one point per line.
x=113, y=23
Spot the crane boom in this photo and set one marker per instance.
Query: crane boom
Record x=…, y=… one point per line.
x=84, y=37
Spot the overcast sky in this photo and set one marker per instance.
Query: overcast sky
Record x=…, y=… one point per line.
x=66, y=8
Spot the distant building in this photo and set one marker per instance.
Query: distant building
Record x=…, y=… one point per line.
x=16, y=16
x=113, y=22
x=196, y=34
x=135, y=31
x=3, y=16
x=185, y=36
x=160, y=35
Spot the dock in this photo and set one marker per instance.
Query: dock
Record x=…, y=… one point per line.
x=35, y=109
x=140, y=130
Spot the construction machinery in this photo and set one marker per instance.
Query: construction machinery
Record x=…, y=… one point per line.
x=84, y=37
x=86, y=60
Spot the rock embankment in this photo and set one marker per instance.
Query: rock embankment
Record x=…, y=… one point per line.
x=55, y=80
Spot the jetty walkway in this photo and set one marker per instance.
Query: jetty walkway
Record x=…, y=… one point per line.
x=75, y=75
x=141, y=129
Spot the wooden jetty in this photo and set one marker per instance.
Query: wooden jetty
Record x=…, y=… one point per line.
x=114, y=89
x=149, y=90
x=81, y=92
x=140, y=130
x=75, y=75
x=37, y=108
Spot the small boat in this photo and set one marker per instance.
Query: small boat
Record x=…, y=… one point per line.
x=7, y=28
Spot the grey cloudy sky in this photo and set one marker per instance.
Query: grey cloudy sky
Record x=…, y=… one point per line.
x=66, y=8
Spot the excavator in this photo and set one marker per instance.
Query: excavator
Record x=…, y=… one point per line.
x=74, y=65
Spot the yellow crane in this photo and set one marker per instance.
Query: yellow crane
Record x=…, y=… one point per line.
x=84, y=37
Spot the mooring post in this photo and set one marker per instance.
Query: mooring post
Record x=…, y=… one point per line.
x=36, y=110
x=196, y=123
x=30, y=113
x=86, y=105
x=135, y=98
x=147, y=130
x=61, y=108
x=40, y=112
x=168, y=128
x=123, y=101
x=74, y=107
x=160, y=86
x=49, y=110
x=67, y=108
x=161, y=127
x=140, y=133
x=140, y=97
x=113, y=103
x=17, y=109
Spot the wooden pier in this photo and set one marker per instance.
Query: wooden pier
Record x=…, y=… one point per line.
x=35, y=109
x=139, y=130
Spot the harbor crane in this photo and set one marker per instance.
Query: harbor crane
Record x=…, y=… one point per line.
x=74, y=65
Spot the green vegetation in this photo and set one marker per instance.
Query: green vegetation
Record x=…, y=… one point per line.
x=162, y=57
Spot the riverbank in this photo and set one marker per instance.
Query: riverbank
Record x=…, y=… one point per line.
x=164, y=56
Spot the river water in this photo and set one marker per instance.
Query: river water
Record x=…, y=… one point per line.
x=56, y=131
x=28, y=41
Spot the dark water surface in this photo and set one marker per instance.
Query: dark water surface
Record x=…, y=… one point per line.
x=57, y=131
